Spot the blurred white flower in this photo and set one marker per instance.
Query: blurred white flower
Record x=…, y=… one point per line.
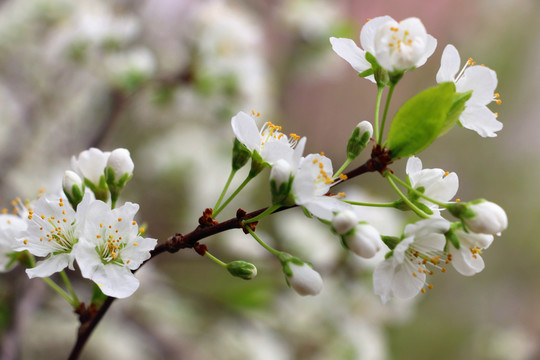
x=11, y=228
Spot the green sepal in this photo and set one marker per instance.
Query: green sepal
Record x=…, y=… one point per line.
x=77, y=195
x=257, y=164
x=240, y=155
x=458, y=105
x=420, y=120
x=282, y=195
x=365, y=73
x=101, y=190
x=461, y=210
x=357, y=143
x=381, y=75
x=451, y=237
x=285, y=259
x=98, y=297
x=390, y=241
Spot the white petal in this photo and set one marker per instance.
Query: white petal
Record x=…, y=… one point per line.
x=324, y=207
x=431, y=45
x=404, y=284
x=450, y=63
x=246, y=131
x=480, y=119
x=277, y=150
x=464, y=262
x=47, y=267
x=482, y=81
x=444, y=189
x=414, y=165
x=348, y=50
x=382, y=280
x=367, y=34
x=116, y=281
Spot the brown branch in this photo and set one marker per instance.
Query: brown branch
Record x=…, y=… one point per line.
x=90, y=317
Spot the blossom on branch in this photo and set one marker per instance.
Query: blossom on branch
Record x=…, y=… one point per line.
x=482, y=81
x=110, y=247
x=397, y=47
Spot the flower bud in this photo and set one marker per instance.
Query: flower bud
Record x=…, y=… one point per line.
x=303, y=279
x=120, y=162
x=73, y=187
x=90, y=164
x=242, y=269
x=344, y=221
x=489, y=218
x=359, y=139
x=364, y=242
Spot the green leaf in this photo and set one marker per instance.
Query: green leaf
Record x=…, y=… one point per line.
x=455, y=111
x=420, y=120
x=366, y=73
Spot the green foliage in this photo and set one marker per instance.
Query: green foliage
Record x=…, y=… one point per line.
x=420, y=120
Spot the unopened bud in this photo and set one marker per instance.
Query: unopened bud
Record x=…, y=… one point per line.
x=344, y=221
x=301, y=276
x=359, y=139
x=365, y=241
x=481, y=216
x=120, y=162
x=242, y=269
x=73, y=187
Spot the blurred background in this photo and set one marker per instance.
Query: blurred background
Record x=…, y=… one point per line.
x=163, y=78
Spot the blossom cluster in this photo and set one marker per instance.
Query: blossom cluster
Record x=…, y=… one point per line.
x=426, y=245
x=82, y=225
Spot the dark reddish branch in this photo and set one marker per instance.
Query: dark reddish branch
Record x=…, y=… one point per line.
x=90, y=317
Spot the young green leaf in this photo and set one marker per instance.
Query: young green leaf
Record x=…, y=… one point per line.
x=420, y=120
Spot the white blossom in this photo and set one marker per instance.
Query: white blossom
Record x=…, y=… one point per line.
x=467, y=260
x=110, y=247
x=482, y=81
x=437, y=184
x=396, y=46
x=403, y=274
x=52, y=233
x=269, y=142
x=311, y=183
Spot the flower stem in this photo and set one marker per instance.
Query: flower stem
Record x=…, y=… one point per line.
x=377, y=107
x=66, y=281
x=358, y=203
x=265, y=213
x=342, y=168
x=74, y=303
x=403, y=183
x=233, y=195
x=406, y=199
x=215, y=259
x=262, y=243
x=231, y=176
x=388, y=99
